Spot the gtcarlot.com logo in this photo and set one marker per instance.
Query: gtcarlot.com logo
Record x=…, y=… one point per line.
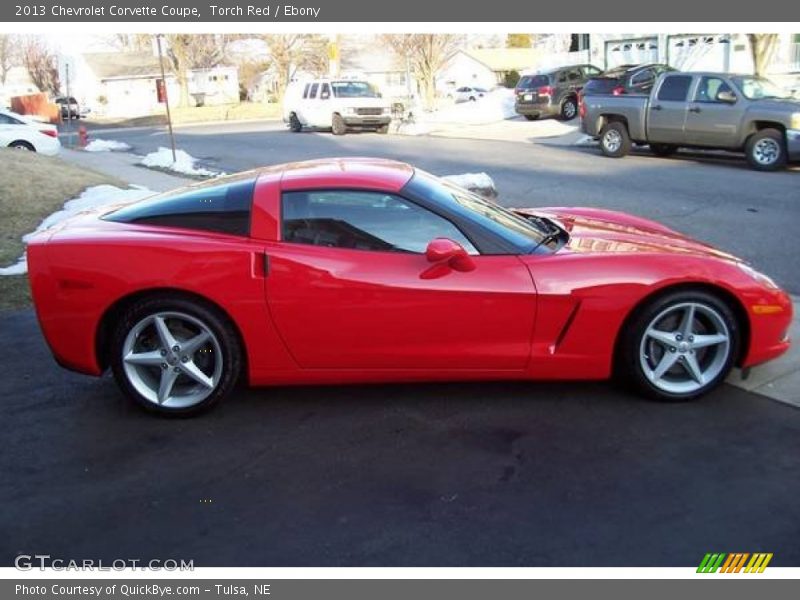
x=740, y=562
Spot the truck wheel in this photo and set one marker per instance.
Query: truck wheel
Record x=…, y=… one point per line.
x=383, y=129
x=295, y=124
x=766, y=150
x=663, y=149
x=614, y=140
x=337, y=125
x=531, y=117
x=569, y=109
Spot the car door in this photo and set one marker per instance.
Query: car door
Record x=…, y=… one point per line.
x=711, y=122
x=349, y=287
x=666, y=116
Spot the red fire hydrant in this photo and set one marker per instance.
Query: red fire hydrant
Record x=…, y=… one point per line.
x=83, y=136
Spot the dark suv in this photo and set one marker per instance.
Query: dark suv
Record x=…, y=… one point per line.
x=626, y=79
x=552, y=93
x=69, y=107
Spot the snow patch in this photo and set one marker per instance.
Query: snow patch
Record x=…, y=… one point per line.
x=106, y=146
x=479, y=183
x=91, y=198
x=184, y=163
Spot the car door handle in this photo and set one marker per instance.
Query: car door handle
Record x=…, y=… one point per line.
x=694, y=109
x=656, y=107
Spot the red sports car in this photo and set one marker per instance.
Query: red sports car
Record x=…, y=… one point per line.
x=367, y=270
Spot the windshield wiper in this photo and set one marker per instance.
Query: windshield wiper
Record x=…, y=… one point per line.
x=552, y=234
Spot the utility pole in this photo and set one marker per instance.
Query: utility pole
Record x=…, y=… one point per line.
x=166, y=97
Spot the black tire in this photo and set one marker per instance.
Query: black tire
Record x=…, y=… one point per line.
x=531, y=117
x=569, y=109
x=294, y=123
x=622, y=144
x=210, y=317
x=337, y=125
x=472, y=99
x=383, y=129
x=631, y=350
x=22, y=145
x=663, y=149
x=771, y=140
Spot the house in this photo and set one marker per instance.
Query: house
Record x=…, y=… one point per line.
x=130, y=84
x=359, y=58
x=726, y=52
x=485, y=67
x=18, y=83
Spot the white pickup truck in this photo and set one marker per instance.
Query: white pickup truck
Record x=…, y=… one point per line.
x=336, y=104
x=738, y=113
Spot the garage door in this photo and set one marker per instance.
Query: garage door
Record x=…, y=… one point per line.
x=699, y=52
x=631, y=51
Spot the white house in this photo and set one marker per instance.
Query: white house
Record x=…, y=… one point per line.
x=128, y=83
x=485, y=67
x=18, y=83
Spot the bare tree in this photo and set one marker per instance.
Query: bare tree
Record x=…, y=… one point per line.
x=41, y=64
x=762, y=48
x=288, y=53
x=427, y=54
x=130, y=42
x=8, y=55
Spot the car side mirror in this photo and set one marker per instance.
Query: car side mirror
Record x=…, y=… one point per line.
x=726, y=96
x=444, y=251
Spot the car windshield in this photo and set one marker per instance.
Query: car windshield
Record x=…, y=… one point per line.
x=524, y=233
x=353, y=89
x=759, y=88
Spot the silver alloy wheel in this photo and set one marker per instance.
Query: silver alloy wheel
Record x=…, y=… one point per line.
x=569, y=110
x=172, y=359
x=685, y=347
x=612, y=140
x=766, y=151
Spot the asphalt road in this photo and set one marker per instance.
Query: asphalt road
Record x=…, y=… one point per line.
x=713, y=197
x=414, y=475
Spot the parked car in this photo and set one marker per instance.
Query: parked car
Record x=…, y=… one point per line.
x=69, y=107
x=21, y=132
x=336, y=104
x=367, y=270
x=552, y=93
x=626, y=79
x=468, y=94
x=738, y=113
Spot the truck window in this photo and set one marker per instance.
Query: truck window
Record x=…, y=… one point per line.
x=313, y=93
x=305, y=90
x=326, y=92
x=709, y=88
x=675, y=88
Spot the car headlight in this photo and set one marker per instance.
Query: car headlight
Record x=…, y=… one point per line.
x=759, y=276
x=349, y=110
x=794, y=122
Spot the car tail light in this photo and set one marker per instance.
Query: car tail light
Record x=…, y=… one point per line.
x=546, y=90
x=618, y=91
x=581, y=107
x=51, y=132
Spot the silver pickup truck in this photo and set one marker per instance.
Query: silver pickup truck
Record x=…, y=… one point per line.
x=738, y=113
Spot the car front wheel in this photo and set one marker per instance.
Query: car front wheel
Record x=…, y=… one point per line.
x=766, y=150
x=615, y=140
x=338, y=126
x=294, y=123
x=175, y=356
x=680, y=346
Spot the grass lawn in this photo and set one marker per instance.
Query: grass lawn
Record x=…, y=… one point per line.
x=32, y=186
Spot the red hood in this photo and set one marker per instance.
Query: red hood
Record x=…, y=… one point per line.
x=608, y=231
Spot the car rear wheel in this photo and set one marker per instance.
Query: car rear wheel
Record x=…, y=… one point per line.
x=175, y=356
x=337, y=125
x=663, y=149
x=22, y=145
x=680, y=346
x=615, y=140
x=294, y=123
x=531, y=117
x=766, y=150
x=569, y=109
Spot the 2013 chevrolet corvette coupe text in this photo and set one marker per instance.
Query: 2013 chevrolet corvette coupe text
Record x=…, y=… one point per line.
x=367, y=270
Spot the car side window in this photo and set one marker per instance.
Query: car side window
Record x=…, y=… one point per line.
x=573, y=75
x=675, y=88
x=325, y=93
x=358, y=220
x=591, y=71
x=562, y=77
x=313, y=93
x=305, y=90
x=709, y=88
x=643, y=79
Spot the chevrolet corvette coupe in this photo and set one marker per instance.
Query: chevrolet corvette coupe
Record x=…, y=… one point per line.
x=367, y=270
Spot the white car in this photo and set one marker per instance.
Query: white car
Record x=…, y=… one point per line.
x=336, y=104
x=23, y=133
x=468, y=94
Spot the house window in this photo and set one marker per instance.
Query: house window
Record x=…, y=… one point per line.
x=579, y=42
